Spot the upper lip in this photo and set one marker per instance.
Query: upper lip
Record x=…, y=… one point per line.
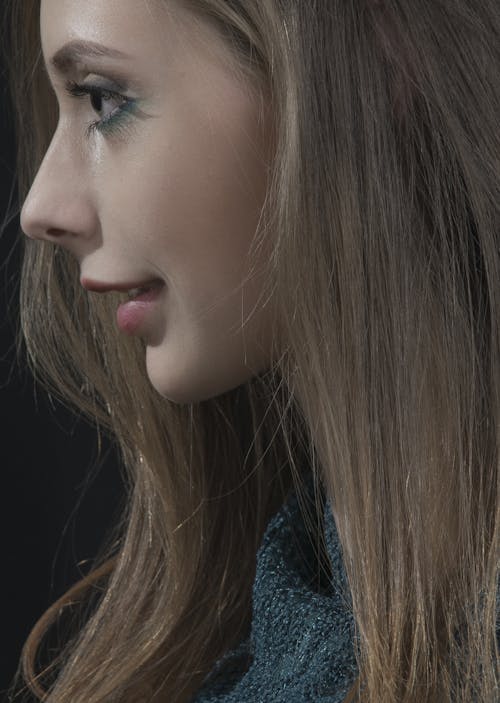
x=103, y=287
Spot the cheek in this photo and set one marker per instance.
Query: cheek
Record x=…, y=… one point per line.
x=195, y=200
x=190, y=204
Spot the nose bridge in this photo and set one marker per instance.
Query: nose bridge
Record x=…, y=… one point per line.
x=59, y=204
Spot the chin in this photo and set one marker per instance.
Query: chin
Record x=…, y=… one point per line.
x=183, y=394
x=183, y=384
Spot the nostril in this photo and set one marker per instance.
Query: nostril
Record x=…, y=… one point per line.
x=41, y=233
x=58, y=219
x=54, y=232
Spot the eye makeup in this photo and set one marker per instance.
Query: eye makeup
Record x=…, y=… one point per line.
x=113, y=123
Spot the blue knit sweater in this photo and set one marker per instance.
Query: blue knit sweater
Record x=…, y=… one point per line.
x=300, y=646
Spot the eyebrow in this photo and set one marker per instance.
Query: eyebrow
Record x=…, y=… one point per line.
x=77, y=51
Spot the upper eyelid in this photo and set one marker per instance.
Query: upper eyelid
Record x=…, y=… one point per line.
x=117, y=80
x=73, y=87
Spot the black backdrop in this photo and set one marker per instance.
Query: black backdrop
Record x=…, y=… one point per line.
x=56, y=500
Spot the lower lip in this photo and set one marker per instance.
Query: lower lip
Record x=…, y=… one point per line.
x=132, y=315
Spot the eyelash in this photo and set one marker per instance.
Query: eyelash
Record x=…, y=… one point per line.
x=111, y=124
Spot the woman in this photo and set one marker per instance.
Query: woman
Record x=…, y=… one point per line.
x=263, y=254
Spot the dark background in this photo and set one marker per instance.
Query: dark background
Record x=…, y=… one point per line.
x=57, y=498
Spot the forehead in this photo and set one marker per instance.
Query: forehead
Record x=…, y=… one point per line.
x=96, y=20
x=145, y=30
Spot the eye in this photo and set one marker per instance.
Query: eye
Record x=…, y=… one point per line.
x=99, y=97
x=111, y=105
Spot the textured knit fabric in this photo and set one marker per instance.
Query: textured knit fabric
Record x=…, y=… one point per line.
x=300, y=648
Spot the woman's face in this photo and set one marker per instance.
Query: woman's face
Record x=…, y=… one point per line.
x=167, y=186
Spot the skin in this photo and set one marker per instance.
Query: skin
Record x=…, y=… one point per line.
x=175, y=192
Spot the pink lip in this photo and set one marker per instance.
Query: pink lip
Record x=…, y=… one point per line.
x=103, y=287
x=131, y=315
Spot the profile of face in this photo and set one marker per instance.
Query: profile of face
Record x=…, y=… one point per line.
x=155, y=178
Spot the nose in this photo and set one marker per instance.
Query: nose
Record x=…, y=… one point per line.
x=59, y=207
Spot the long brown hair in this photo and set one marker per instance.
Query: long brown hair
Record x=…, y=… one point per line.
x=384, y=215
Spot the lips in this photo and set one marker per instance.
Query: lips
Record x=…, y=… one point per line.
x=134, y=315
x=134, y=289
